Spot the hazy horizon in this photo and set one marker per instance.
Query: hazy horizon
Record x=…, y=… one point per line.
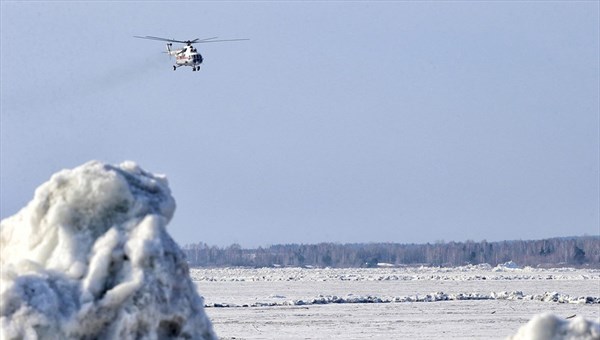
x=394, y=242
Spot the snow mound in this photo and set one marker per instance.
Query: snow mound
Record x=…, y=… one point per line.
x=551, y=327
x=510, y=265
x=385, y=265
x=433, y=297
x=89, y=257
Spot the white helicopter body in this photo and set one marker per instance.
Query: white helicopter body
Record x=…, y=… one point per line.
x=187, y=55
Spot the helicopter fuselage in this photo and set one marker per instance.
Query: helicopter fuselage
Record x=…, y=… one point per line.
x=186, y=56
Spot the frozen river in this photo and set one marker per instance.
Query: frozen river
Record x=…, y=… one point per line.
x=473, y=302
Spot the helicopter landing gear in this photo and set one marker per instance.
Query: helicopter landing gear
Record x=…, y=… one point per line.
x=196, y=68
x=174, y=68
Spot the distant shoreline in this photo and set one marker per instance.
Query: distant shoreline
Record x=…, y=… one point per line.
x=577, y=251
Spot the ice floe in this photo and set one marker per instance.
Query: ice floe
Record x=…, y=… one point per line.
x=464, y=273
x=89, y=257
x=431, y=297
x=551, y=327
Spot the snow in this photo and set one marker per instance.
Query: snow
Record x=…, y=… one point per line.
x=385, y=265
x=89, y=257
x=548, y=327
x=431, y=297
x=460, y=275
x=469, y=302
x=506, y=266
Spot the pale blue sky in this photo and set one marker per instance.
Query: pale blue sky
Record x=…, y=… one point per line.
x=337, y=122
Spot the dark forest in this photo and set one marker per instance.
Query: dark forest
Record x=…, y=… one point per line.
x=554, y=252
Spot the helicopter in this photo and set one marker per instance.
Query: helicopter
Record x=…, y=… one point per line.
x=187, y=55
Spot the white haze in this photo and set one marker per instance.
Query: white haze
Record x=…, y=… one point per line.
x=89, y=257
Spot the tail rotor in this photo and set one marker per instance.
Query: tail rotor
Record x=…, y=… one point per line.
x=169, y=49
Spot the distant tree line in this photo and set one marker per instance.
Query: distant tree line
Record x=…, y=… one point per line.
x=572, y=251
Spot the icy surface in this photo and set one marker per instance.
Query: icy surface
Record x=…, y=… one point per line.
x=551, y=327
x=89, y=257
x=470, y=302
x=481, y=272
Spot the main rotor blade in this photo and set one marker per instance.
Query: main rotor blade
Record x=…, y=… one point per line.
x=210, y=41
x=160, y=39
x=195, y=41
